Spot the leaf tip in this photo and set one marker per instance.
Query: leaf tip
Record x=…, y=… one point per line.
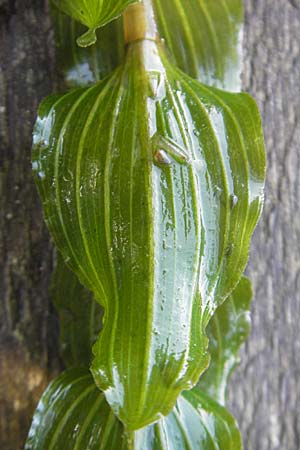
x=87, y=39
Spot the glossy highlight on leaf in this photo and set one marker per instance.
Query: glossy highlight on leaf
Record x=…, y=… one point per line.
x=204, y=38
x=227, y=331
x=93, y=14
x=81, y=318
x=85, y=66
x=73, y=415
x=151, y=186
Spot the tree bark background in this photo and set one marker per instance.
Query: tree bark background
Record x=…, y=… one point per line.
x=265, y=391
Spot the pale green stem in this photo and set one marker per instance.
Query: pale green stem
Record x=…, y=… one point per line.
x=139, y=22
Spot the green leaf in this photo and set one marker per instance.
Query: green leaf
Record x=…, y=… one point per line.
x=80, y=322
x=151, y=185
x=73, y=415
x=227, y=331
x=85, y=66
x=80, y=316
x=205, y=38
x=93, y=14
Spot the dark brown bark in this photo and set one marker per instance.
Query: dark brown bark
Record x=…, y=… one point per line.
x=28, y=327
x=265, y=393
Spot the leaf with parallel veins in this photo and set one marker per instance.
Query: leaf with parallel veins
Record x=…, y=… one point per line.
x=93, y=14
x=152, y=186
x=203, y=36
x=227, y=331
x=90, y=424
x=80, y=317
x=73, y=415
x=84, y=66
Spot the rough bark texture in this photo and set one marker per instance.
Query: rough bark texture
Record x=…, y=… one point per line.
x=28, y=327
x=265, y=393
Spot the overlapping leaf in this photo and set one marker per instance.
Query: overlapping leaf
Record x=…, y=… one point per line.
x=80, y=321
x=227, y=331
x=73, y=415
x=88, y=422
x=93, y=14
x=204, y=38
x=80, y=316
x=151, y=185
x=84, y=66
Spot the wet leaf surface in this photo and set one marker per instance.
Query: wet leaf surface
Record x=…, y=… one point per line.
x=152, y=186
x=204, y=39
x=93, y=14
x=73, y=415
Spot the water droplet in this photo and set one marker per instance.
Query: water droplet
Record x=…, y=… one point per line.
x=69, y=177
x=196, y=133
x=41, y=175
x=190, y=385
x=87, y=39
x=233, y=200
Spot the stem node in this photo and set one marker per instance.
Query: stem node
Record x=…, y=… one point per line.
x=139, y=22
